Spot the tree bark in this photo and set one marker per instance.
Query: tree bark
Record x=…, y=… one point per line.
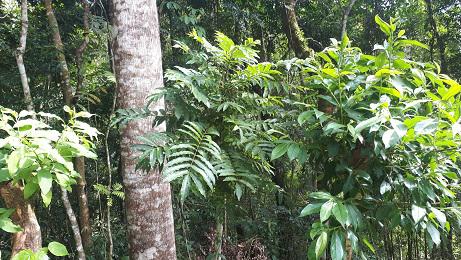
x=73, y=224
x=61, y=58
x=84, y=212
x=295, y=35
x=138, y=66
x=346, y=13
x=12, y=195
x=24, y=216
x=79, y=161
x=20, y=56
x=439, y=39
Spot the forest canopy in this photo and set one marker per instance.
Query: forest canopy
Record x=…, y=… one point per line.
x=185, y=129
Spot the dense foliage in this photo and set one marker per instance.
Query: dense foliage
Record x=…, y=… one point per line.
x=332, y=149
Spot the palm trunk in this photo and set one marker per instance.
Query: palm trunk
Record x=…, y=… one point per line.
x=68, y=100
x=138, y=66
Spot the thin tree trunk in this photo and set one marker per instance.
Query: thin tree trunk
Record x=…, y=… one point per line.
x=435, y=32
x=346, y=13
x=84, y=212
x=68, y=100
x=20, y=56
x=24, y=216
x=110, y=250
x=219, y=238
x=138, y=66
x=12, y=195
x=295, y=35
x=73, y=223
x=61, y=58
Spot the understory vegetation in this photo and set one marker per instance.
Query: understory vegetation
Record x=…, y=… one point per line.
x=287, y=130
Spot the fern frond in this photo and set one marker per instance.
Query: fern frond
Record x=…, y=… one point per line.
x=192, y=159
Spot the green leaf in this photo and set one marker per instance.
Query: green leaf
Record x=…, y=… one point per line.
x=417, y=213
x=57, y=249
x=454, y=89
x=279, y=151
x=45, y=181
x=434, y=233
x=336, y=246
x=47, y=198
x=321, y=244
x=29, y=189
x=414, y=43
x=325, y=210
x=440, y=216
x=320, y=195
x=305, y=116
x=427, y=126
x=367, y=123
x=293, y=151
x=311, y=209
x=385, y=27
x=185, y=188
x=390, y=138
x=8, y=226
x=369, y=245
x=385, y=187
x=340, y=213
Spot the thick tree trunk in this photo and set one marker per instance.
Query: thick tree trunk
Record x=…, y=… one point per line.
x=436, y=35
x=346, y=13
x=138, y=66
x=295, y=35
x=80, y=163
x=24, y=216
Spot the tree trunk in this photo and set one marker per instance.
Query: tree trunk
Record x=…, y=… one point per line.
x=12, y=195
x=73, y=224
x=440, y=41
x=20, y=56
x=64, y=73
x=80, y=163
x=138, y=66
x=294, y=33
x=346, y=13
x=24, y=216
x=84, y=212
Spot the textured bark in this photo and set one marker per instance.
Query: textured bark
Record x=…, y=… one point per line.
x=84, y=212
x=20, y=56
x=438, y=38
x=73, y=224
x=138, y=66
x=80, y=163
x=24, y=216
x=346, y=13
x=12, y=195
x=81, y=49
x=295, y=35
x=61, y=58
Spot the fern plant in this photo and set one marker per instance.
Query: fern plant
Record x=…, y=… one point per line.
x=218, y=131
